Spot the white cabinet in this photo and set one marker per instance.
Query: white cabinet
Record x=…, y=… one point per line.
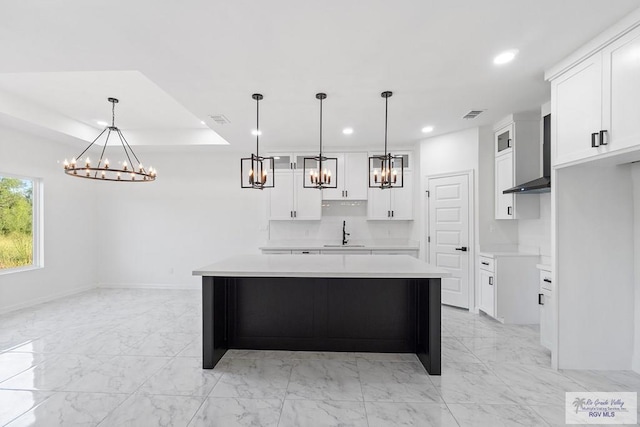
x=288, y=200
x=351, y=177
x=596, y=103
x=487, y=297
x=503, y=181
x=392, y=203
x=508, y=287
x=517, y=151
x=576, y=110
x=546, y=305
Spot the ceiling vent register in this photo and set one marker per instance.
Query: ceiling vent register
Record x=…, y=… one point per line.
x=472, y=114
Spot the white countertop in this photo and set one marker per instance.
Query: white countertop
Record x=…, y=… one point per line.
x=315, y=245
x=507, y=253
x=374, y=266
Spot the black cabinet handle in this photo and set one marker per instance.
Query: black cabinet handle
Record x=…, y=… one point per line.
x=603, y=140
x=391, y=214
x=290, y=214
x=547, y=280
x=388, y=214
x=484, y=263
x=346, y=193
x=509, y=210
x=594, y=144
x=509, y=143
x=491, y=280
x=540, y=299
x=463, y=249
x=305, y=252
x=295, y=214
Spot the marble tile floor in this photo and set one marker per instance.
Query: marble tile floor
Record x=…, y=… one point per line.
x=133, y=358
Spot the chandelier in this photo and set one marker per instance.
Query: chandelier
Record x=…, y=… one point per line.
x=125, y=171
x=386, y=171
x=260, y=169
x=320, y=168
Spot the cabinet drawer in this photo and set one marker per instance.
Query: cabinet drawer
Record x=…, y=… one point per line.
x=487, y=264
x=545, y=280
x=306, y=252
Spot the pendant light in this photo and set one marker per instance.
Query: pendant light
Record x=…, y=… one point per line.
x=321, y=170
x=386, y=171
x=125, y=171
x=257, y=171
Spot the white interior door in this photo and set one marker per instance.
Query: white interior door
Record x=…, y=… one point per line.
x=449, y=246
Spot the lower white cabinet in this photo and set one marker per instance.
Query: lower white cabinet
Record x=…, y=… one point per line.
x=342, y=251
x=508, y=289
x=487, y=292
x=546, y=303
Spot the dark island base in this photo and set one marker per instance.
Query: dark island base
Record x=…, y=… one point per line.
x=322, y=314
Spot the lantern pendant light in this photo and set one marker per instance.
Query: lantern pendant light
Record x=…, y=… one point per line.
x=101, y=170
x=386, y=171
x=320, y=172
x=257, y=171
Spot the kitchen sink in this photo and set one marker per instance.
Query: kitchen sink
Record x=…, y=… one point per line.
x=344, y=246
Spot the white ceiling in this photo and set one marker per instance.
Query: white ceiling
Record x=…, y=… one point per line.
x=210, y=56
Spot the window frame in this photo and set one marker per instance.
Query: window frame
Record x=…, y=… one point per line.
x=37, y=224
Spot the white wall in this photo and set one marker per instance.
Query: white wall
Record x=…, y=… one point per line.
x=635, y=173
x=70, y=245
x=195, y=213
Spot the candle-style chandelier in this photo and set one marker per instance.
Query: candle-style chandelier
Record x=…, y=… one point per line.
x=102, y=171
x=386, y=171
x=257, y=171
x=321, y=170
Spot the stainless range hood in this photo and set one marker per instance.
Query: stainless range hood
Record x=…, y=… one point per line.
x=539, y=185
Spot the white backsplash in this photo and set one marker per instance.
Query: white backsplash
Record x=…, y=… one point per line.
x=330, y=227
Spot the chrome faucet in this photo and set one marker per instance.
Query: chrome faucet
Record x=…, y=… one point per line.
x=344, y=233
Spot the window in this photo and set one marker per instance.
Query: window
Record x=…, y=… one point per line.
x=19, y=222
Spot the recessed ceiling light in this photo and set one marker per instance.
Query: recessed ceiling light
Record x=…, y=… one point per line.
x=347, y=131
x=505, y=57
x=202, y=122
x=427, y=129
x=102, y=123
x=256, y=132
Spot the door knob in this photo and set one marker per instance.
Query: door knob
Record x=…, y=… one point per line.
x=463, y=249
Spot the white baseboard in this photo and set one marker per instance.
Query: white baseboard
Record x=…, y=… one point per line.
x=149, y=286
x=47, y=298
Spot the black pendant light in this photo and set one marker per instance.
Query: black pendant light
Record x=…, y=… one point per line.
x=386, y=171
x=130, y=169
x=322, y=171
x=257, y=171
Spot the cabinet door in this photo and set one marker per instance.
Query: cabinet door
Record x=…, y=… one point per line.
x=504, y=140
x=577, y=98
x=504, y=181
x=487, y=293
x=355, y=174
x=379, y=204
x=545, y=301
x=336, y=193
x=622, y=97
x=402, y=199
x=308, y=201
x=281, y=197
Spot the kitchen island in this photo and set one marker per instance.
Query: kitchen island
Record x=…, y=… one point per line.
x=355, y=303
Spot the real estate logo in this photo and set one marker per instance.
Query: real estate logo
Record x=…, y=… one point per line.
x=601, y=408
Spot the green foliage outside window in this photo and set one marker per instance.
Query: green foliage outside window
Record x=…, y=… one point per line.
x=16, y=222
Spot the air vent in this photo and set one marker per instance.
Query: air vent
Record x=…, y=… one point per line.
x=472, y=114
x=220, y=119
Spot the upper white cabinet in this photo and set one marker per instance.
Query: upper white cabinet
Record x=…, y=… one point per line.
x=517, y=151
x=392, y=203
x=596, y=103
x=351, y=176
x=288, y=200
